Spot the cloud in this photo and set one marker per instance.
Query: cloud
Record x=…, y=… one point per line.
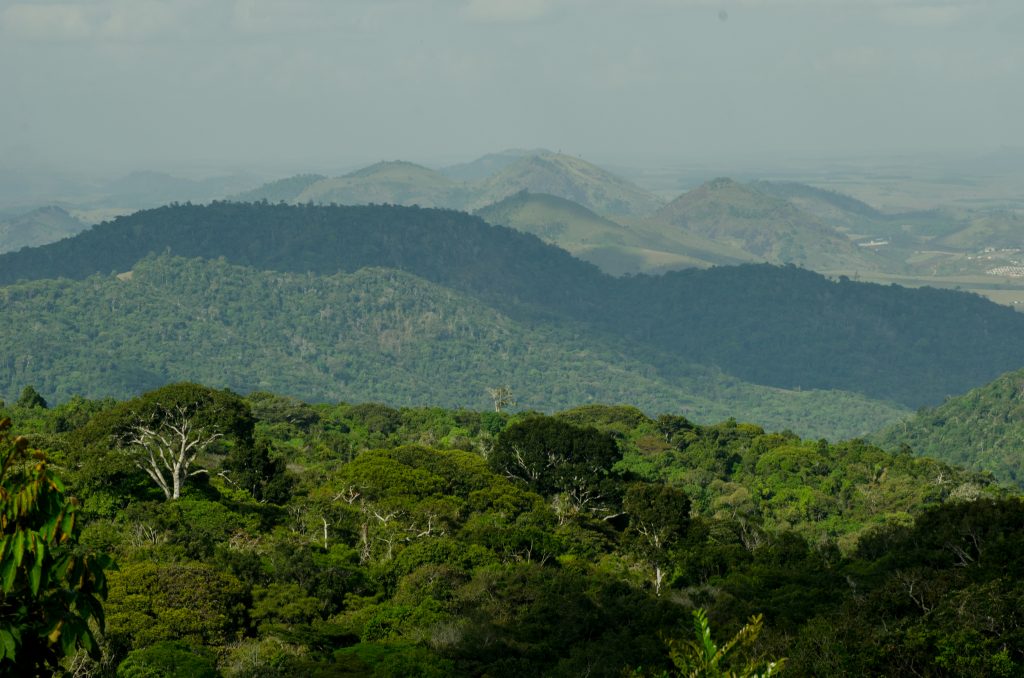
x=506, y=11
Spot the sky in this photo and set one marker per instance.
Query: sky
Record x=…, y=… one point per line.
x=275, y=85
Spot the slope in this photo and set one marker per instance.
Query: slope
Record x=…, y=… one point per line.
x=778, y=326
x=286, y=190
x=614, y=248
x=982, y=429
x=38, y=227
x=395, y=182
x=767, y=227
x=376, y=334
x=570, y=178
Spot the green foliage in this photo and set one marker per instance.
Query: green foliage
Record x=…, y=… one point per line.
x=30, y=398
x=50, y=591
x=981, y=430
x=552, y=457
x=168, y=659
x=702, y=657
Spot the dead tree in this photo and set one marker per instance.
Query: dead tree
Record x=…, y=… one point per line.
x=166, y=448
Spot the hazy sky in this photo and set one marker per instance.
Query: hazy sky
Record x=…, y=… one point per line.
x=276, y=84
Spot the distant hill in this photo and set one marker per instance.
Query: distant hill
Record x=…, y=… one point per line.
x=778, y=326
x=765, y=226
x=376, y=334
x=981, y=430
x=567, y=177
x=613, y=247
x=38, y=227
x=282, y=190
x=396, y=183
x=998, y=229
x=488, y=165
x=144, y=189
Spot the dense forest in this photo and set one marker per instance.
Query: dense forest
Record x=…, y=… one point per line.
x=982, y=429
x=339, y=539
x=776, y=326
x=376, y=334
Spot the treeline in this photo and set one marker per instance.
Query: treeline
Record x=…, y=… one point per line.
x=783, y=327
x=364, y=540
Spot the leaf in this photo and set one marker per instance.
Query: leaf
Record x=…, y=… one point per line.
x=35, y=575
x=19, y=547
x=7, y=574
x=7, y=644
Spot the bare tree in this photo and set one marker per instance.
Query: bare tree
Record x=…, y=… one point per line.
x=167, y=447
x=502, y=397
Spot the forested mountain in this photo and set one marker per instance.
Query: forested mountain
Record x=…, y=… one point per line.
x=570, y=178
x=38, y=227
x=397, y=182
x=363, y=540
x=377, y=334
x=783, y=327
x=983, y=429
x=765, y=226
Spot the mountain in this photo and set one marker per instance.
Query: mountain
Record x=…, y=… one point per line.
x=396, y=183
x=372, y=335
x=488, y=165
x=837, y=210
x=981, y=430
x=999, y=229
x=282, y=190
x=614, y=248
x=777, y=326
x=570, y=178
x=765, y=226
x=38, y=227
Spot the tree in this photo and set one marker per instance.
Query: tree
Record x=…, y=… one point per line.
x=167, y=429
x=569, y=464
x=30, y=398
x=659, y=518
x=50, y=591
x=502, y=397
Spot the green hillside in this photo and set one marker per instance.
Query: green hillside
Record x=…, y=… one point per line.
x=769, y=228
x=982, y=430
x=396, y=183
x=38, y=227
x=570, y=178
x=778, y=326
x=283, y=190
x=373, y=335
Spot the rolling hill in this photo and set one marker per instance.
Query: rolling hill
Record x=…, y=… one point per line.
x=767, y=227
x=395, y=182
x=778, y=326
x=38, y=227
x=981, y=430
x=282, y=190
x=570, y=178
x=614, y=248
x=373, y=335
